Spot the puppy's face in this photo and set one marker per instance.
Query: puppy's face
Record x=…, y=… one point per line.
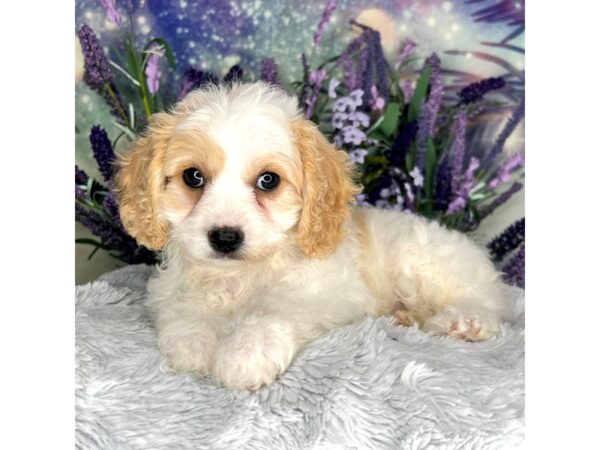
x=234, y=174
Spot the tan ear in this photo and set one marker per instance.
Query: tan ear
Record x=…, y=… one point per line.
x=328, y=191
x=139, y=181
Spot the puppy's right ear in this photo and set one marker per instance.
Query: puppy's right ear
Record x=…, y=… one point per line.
x=139, y=182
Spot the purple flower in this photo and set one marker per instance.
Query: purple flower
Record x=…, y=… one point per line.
x=353, y=135
x=344, y=104
x=97, y=69
x=357, y=97
x=476, y=91
x=443, y=189
x=500, y=200
x=461, y=197
x=434, y=99
x=96, y=224
x=507, y=241
x=111, y=206
x=514, y=162
x=357, y=155
x=339, y=119
x=315, y=79
x=407, y=88
x=359, y=118
x=111, y=11
x=469, y=176
x=152, y=70
x=81, y=179
x=268, y=71
x=429, y=110
x=406, y=50
x=325, y=18
x=514, y=270
x=377, y=102
x=114, y=238
x=103, y=151
x=333, y=84
x=195, y=79
x=235, y=73
x=457, y=150
x=456, y=205
x=80, y=176
x=508, y=129
x=406, y=135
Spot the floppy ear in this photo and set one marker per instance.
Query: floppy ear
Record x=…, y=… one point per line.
x=139, y=181
x=328, y=191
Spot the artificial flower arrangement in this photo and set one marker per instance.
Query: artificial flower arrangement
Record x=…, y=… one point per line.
x=408, y=138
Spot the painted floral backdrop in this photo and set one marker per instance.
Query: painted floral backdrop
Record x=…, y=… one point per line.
x=450, y=52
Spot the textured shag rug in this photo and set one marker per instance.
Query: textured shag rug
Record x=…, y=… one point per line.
x=371, y=385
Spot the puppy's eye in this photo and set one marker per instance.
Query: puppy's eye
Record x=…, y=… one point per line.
x=193, y=177
x=267, y=181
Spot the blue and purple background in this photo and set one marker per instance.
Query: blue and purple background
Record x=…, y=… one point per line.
x=216, y=34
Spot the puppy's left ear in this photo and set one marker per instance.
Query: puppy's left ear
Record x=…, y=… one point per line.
x=328, y=191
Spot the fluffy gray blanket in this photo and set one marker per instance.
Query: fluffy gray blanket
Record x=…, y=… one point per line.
x=371, y=385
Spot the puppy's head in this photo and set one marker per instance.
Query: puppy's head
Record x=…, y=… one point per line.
x=235, y=173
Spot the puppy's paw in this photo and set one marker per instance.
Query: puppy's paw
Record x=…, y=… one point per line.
x=188, y=352
x=465, y=325
x=254, y=354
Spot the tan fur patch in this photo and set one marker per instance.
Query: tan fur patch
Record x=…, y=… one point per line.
x=140, y=180
x=327, y=191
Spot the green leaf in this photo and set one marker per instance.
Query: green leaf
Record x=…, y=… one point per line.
x=375, y=126
x=419, y=94
x=391, y=118
x=167, y=47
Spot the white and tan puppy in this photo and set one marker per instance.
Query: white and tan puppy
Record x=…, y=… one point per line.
x=263, y=250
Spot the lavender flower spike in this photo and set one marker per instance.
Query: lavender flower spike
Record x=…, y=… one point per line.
x=507, y=241
x=508, y=129
x=152, y=70
x=97, y=69
x=476, y=91
x=514, y=162
x=406, y=50
x=436, y=92
x=268, y=71
x=457, y=151
x=111, y=11
x=103, y=152
x=514, y=270
x=500, y=200
x=81, y=179
x=325, y=18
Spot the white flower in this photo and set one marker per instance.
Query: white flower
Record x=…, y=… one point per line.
x=358, y=156
x=359, y=118
x=338, y=120
x=417, y=177
x=356, y=97
x=333, y=84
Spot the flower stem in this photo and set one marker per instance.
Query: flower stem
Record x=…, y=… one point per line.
x=112, y=95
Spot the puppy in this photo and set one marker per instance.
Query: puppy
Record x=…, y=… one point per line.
x=263, y=250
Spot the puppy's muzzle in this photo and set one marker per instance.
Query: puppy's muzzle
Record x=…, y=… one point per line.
x=225, y=239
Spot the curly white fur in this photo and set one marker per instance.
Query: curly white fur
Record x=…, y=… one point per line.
x=243, y=317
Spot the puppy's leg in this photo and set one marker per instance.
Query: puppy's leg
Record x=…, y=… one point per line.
x=442, y=280
x=258, y=350
x=187, y=341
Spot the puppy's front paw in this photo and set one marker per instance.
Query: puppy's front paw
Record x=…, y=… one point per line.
x=254, y=354
x=188, y=352
x=468, y=326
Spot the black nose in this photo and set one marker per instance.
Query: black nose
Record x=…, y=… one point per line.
x=225, y=239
